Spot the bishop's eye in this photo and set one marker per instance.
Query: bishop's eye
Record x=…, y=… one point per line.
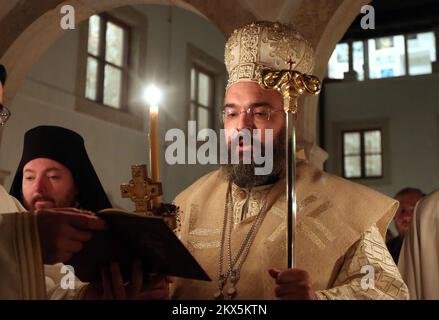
x=261, y=113
x=230, y=114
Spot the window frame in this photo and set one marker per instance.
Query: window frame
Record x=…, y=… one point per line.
x=106, y=18
x=133, y=115
x=195, y=104
x=218, y=70
x=362, y=153
x=366, y=64
x=335, y=162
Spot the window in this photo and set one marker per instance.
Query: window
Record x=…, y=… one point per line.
x=359, y=150
x=362, y=154
x=202, y=96
x=386, y=57
x=422, y=51
x=339, y=62
x=107, y=61
x=392, y=56
x=112, y=67
x=206, y=80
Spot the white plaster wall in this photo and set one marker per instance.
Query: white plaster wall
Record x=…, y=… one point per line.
x=411, y=104
x=48, y=98
x=186, y=28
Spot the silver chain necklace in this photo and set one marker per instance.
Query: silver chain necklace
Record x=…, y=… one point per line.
x=235, y=264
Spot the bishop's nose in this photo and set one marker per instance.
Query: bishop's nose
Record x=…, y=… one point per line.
x=244, y=122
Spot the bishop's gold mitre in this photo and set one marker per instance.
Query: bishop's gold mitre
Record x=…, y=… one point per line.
x=264, y=44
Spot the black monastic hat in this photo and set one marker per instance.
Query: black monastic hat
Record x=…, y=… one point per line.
x=66, y=147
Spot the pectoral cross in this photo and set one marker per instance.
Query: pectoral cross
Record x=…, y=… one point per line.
x=141, y=190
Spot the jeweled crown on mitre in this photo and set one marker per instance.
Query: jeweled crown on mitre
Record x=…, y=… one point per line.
x=264, y=44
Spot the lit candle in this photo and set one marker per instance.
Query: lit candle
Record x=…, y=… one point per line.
x=154, y=143
x=153, y=95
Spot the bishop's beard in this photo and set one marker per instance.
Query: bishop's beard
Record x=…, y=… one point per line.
x=243, y=175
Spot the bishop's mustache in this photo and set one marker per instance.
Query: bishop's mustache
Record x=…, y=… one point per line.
x=243, y=138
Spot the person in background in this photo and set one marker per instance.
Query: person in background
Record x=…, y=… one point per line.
x=407, y=197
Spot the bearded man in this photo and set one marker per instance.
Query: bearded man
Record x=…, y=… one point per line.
x=25, y=245
x=234, y=222
x=55, y=172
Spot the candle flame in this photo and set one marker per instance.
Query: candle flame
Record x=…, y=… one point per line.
x=153, y=95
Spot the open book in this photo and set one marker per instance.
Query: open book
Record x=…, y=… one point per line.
x=130, y=236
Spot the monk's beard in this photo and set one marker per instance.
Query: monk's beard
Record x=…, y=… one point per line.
x=243, y=175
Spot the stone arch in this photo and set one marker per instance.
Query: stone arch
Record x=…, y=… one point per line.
x=33, y=25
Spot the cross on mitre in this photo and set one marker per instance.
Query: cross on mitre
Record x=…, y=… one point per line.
x=291, y=62
x=141, y=190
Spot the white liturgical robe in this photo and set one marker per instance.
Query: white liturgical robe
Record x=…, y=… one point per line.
x=21, y=268
x=22, y=274
x=419, y=259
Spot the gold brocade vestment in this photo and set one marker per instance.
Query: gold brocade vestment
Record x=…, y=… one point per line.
x=340, y=230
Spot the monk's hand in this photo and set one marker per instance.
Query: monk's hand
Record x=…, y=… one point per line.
x=292, y=284
x=63, y=232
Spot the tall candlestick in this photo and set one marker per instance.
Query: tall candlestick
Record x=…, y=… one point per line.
x=154, y=143
x=154, y=152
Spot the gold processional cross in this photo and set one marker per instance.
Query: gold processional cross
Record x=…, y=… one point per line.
x=142, y=191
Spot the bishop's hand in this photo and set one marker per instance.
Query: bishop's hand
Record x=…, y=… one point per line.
x=293, y=284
